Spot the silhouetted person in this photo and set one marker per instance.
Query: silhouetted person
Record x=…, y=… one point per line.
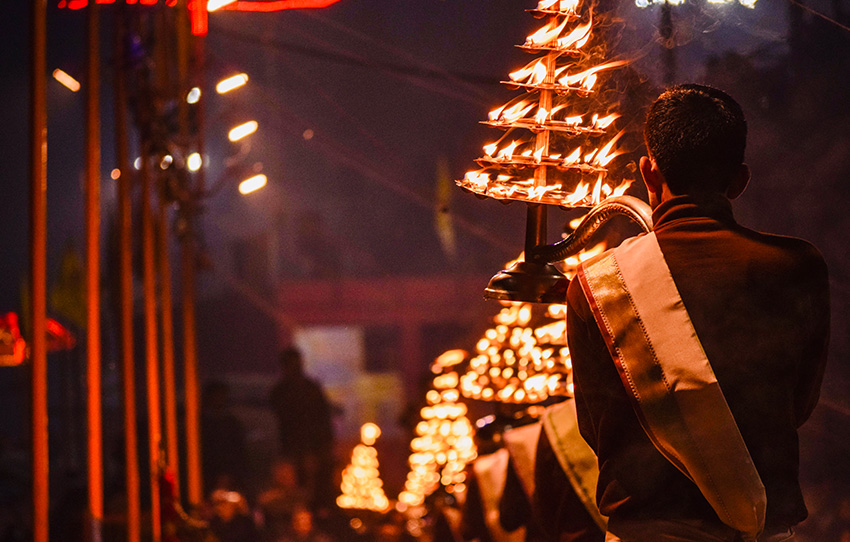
x=231, y=517
x=278, y=502
x=303, y=528
x=223, y=440
x=305, y=427
x=698, y=346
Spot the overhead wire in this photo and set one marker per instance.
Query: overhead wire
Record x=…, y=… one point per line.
x=821, y=15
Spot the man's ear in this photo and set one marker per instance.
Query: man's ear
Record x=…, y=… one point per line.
x=739, y=182
x=652, y=178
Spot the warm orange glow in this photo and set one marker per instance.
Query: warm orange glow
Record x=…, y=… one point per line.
x=252, y=184
x=605, y=155
x=243, y=130
x=66, y=80
x=533, y=73
x=369, y=433
x=443, y=444
x=569, y=170
x=587, y=78
x=194, y=161
x=567, y=6
x=231, y=83
x=577, y=38
x=361, y=485
x=194, y=95
x=547, y=34
x=213, y=5
x=450, y=357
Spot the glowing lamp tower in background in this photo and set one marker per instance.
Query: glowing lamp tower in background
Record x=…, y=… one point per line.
x=443, y=444
x=523, y=358
x=361, y=486
x=555, y=150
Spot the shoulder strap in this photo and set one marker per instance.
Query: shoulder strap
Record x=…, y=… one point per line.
x=491, y=471
x=663, y=367
x=579, y=463
x=521, y=443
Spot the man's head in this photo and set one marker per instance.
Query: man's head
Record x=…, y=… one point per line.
x=695, y=136
x=291, y=363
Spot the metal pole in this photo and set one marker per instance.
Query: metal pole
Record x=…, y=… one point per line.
x=190, y=359
x=125, y=224
x=151, y=347
x=93, y=397
x=167, y=323
x=38, y=269
x=535, y=222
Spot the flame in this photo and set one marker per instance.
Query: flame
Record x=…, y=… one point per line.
x=603, y=122
x=534, y=72
x=597, y=189
x=537, y=192
x=573, y=158
x=620, y=190
x=570, y=6
x=579, y=194
x=547, y=34
x=587, y=78
x=578, y=37
x=508, y=151
x=477, y=179
x=490, y=149
x=514, y=112
x=538, y=155
x=604, y=156
x=541, y=116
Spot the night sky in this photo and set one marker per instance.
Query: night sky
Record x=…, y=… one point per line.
x=389, y=89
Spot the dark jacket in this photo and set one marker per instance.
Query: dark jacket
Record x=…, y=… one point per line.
x=760, y=306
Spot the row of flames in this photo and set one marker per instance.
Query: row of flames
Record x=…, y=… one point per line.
x=442, y=448
x=523, y=358
x=541, y=169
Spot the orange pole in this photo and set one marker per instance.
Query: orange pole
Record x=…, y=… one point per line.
x=193, y=447
x=125, y=225
x=167, y=323
x=93, y=398
x=38, y=268
x=190, y=359
x=151, y=347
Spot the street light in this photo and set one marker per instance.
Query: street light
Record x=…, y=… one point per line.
x=194, y=161
x=72, y=84
x=232, y=82
x=193, y=96
x=252, y=184
x=243, y=130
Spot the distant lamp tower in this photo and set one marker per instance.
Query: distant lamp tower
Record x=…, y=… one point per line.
x=362, y=488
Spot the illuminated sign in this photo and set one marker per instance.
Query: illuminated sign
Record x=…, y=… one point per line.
x=198, y=8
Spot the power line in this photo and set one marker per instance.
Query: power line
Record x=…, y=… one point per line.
x=353, y=60
x=821, y=15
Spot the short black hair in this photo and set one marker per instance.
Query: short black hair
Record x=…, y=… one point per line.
x=697, y=136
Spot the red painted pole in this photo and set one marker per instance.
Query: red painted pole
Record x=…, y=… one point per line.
x=92, y=209
x=38, y=270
